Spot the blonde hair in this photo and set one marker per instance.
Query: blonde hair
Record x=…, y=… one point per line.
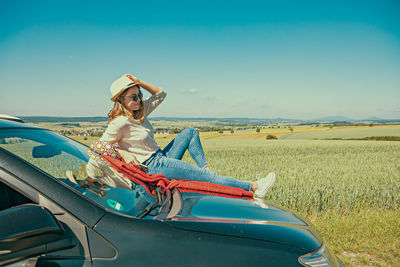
x=120, y=110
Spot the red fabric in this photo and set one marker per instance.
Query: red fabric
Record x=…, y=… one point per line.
x=150, y=181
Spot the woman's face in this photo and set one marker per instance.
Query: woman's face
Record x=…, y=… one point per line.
x=128, y=101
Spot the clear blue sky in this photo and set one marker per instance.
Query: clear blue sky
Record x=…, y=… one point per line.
x=265, y=59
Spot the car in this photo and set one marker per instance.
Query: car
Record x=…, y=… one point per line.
x=47, y=220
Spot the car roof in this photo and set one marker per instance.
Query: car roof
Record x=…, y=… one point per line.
x=5, y=123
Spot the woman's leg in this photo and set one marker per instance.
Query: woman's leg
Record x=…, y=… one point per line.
x=189, y=140
x=180, y=170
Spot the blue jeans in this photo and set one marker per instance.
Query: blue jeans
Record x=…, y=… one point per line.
x=168, y=162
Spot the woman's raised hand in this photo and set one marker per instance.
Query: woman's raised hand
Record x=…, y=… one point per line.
x=133, y=78
x=152, y=89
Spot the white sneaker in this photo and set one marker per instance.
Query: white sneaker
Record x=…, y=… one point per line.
x=264, y=184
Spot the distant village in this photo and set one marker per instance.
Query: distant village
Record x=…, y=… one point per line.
x=97, y=132
x=90, y=132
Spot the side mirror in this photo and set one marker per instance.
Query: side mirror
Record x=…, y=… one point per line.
x=30, y=230
x=45, y=151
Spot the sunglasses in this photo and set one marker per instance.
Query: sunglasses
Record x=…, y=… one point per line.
x=135, y=97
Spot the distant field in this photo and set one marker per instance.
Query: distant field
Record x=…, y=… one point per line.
x=357, y=132
x=306, y=132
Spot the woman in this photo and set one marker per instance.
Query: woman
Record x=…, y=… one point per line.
x=130, y=128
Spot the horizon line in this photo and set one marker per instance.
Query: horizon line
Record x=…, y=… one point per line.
x=339, y=118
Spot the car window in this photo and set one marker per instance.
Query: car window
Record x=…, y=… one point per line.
x=11, y=198
x=56, y=154
x=48, y=151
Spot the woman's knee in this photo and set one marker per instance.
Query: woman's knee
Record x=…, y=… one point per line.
x=191, y=131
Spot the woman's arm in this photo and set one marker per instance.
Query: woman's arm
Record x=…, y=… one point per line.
x=151, y=88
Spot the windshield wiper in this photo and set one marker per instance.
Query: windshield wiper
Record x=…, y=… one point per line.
x=162, y=200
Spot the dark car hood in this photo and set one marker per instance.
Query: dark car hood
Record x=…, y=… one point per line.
x=245, y=218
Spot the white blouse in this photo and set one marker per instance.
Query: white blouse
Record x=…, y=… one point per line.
x=134, y=136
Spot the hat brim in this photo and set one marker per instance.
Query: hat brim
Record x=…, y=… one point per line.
x=114, y=98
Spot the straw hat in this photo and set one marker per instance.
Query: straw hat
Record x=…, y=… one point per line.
x=121, y=84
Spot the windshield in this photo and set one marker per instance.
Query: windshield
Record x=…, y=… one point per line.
x=58, y=155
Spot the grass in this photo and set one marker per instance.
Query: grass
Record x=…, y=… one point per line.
x=344, y=132
x=371, y=138
x=368, y=237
